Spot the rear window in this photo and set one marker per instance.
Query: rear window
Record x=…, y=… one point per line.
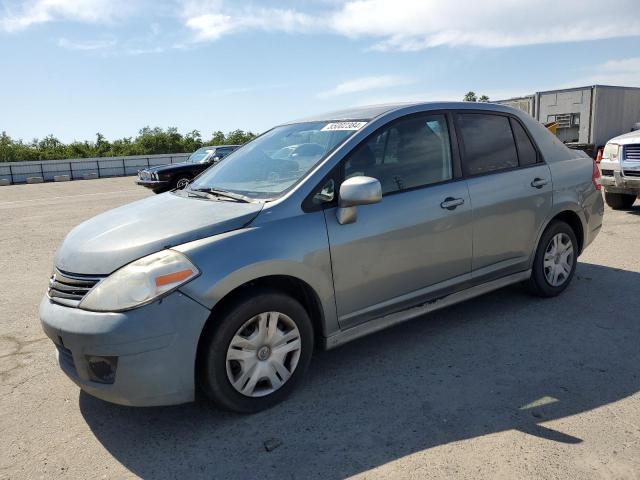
x=488, y=143
x=526, y=151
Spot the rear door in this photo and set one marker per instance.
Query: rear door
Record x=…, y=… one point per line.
x=510, y=189
x=418, y=239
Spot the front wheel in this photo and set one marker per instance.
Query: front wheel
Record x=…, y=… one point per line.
x=555, y=260
x=256, y=352
x=619, y=201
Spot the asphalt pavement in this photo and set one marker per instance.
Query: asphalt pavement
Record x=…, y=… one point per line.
x=502, y=386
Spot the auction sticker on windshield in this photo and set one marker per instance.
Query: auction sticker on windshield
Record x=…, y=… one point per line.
x=343, y=126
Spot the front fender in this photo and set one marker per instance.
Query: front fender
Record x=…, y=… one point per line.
x=294, y=246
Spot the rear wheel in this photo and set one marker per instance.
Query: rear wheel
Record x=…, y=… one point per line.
x=555, y=260
x=257, y=353
x=619, y=201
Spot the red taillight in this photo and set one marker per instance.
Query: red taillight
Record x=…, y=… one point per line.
x=599, y=156
x=595, y=176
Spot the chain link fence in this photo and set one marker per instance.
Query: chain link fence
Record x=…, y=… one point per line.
x=82, y=168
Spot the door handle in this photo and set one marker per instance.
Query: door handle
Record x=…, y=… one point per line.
x=539, y=182
x=451, y=203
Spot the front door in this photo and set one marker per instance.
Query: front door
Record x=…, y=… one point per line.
x=418, y=239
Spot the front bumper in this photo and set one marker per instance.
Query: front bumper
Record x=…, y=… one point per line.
x=619, y=183
x=152, y=183
x=155, y=346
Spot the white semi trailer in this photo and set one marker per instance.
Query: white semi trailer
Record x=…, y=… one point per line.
x=586, y=117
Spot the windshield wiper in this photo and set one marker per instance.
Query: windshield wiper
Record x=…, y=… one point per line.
x=196, y=193
x=224, y=193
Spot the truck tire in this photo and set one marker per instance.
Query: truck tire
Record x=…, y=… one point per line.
x=619, y=201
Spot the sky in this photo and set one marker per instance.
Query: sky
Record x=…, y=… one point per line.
x=73, y=68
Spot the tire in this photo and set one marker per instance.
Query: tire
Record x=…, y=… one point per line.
x=619, y=201
x=552, y=262
x=181, y=182
x=159, y=190
x=217, y=373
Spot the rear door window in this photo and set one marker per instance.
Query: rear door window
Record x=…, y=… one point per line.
x=527, y=154
x=488, y=143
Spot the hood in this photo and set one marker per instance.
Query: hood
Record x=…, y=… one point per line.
x=627, y=138
x=114, y=238
x=173, y=167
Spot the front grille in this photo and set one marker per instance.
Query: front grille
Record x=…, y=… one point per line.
x=607, y=173
x=70, y=288
x=632, y=152
x=628, y=173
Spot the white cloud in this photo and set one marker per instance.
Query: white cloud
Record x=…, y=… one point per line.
x=623, y=72
x=389, y=25
x=364, y=84
x=87, y=45
x=409, y=25
x=419, y=24
x=21, y=15
x=210, y=19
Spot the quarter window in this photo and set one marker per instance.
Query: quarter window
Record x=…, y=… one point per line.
x=526, y=151
x=411, y=153
x=488, y=143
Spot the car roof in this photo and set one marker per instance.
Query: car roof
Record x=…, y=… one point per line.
x=369, y=112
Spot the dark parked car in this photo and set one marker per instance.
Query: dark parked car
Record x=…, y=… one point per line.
x=177, y=175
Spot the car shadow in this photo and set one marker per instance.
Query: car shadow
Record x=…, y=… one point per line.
x=498, y=362
x=634, y=210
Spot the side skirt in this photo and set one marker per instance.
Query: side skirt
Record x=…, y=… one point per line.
x=381, y=323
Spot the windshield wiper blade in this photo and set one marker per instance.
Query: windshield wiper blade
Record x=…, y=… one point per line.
x=224, y=193
x=196, y=193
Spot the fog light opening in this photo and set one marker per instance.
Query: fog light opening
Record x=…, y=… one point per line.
x=102, y=369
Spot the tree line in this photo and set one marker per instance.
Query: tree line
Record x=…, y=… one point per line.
x=472, y=97
x=149, y=141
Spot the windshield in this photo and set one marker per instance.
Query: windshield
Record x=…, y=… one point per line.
x=200, y=155
x=272, y=163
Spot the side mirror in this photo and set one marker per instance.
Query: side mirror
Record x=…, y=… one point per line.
x=356, y=191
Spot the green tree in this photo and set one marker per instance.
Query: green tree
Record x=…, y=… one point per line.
x=148, y=141
x=470, y=97
x=483, y=99
x=238, y=137
x=192, y=141
x=217, y=138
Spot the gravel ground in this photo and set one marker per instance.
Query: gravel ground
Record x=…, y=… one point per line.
x=503, y=386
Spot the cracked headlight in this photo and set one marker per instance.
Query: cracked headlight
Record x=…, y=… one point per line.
x=140, y=282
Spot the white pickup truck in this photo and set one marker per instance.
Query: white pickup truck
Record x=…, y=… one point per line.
x=620, y=169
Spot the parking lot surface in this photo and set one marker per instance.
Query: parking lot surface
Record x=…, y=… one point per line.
x=502, y=386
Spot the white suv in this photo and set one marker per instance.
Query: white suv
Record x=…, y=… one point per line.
x=620, y=168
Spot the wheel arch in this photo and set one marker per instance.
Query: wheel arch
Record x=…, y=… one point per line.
x=288, y=284
x=570, y=216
